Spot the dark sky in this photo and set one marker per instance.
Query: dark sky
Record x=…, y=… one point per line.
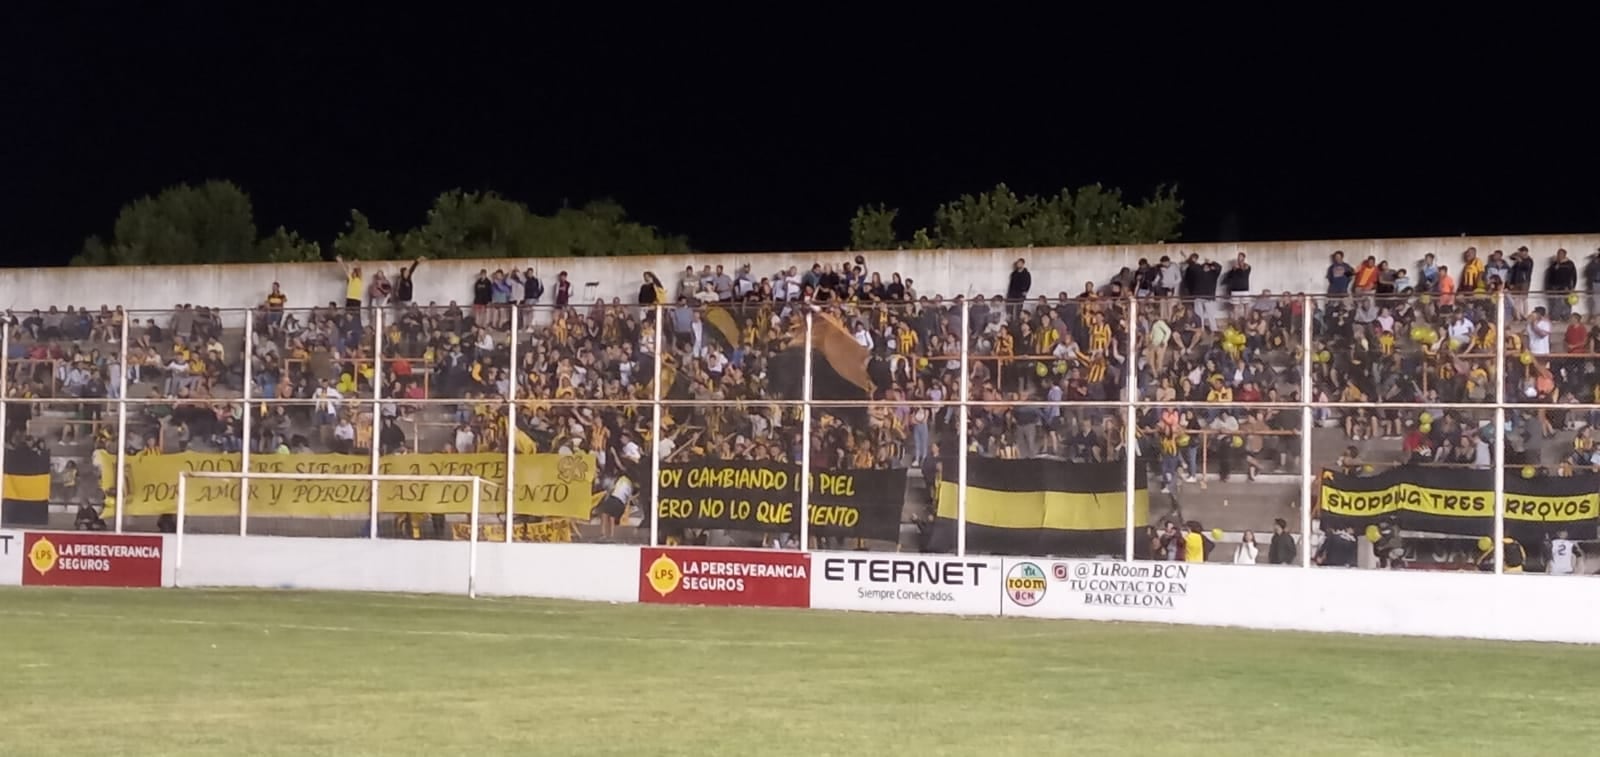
x=767, y=138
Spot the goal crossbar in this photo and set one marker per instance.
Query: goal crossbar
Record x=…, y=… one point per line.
x=476, y=482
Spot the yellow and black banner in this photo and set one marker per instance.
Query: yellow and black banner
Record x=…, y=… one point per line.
x=1458, y=501
x=546, y=484
x=548, y=532
x=765, y=496
x=26, y=487
x=724, y=325
x=1042, y=507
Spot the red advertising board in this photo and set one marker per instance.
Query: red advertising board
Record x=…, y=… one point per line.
x=81, y=559
x=700, y=576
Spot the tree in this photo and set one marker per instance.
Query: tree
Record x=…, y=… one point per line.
x=359, y=241
x=211, y=223
x=872, y=228
x=286, y=246
x=486, y=225
x=1093, y=215
x=602, y=228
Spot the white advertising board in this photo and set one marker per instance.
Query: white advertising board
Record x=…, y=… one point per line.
x=10, y=558
x=1524, y=607
x=1069, y=588
x=896, y=582
x=599, y=572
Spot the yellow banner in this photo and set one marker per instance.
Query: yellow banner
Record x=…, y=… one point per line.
x=546, y=484
x=547, y=532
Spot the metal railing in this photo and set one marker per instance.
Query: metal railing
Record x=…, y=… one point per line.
x=1130, y=404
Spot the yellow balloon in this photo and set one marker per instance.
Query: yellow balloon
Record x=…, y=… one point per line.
x=1572, y=299
x=1426, y=417
x=1368, y=469
x=1238, y=441
x=1183, y=440
x=1526, y=358
x=1426, y=428
x=1216, y=534
x=1485, y=544
x=1528, y=471
x=1373, y=534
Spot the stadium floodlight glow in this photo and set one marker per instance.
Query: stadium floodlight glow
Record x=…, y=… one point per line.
x=375, y=479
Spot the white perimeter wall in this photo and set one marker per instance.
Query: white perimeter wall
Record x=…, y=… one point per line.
x=10, y=558
x=566, y=571
x=1522, y=607
x=1279, y=266
x=1421, y=603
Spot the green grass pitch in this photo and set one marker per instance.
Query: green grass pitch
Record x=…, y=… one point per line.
x=187, y=672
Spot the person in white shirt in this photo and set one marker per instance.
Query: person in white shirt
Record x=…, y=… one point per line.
x=1539, y=332
x=1246, y=553
x=344, y=436
x=1460, y=332
x=465, y=441
x=863, y=336
x=326, y=402
x=1564, y=555
x=614, y=506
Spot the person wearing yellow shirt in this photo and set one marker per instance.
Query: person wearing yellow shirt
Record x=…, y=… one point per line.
x=1219, y=392
x=354, y=287
x=1472, y=272
x=1194, y=543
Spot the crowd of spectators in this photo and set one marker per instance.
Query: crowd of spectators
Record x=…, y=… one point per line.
x=1047, y=367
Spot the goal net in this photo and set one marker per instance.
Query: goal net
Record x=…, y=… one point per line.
x=341, y=496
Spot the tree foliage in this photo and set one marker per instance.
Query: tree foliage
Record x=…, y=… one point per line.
x=872, y=228
x=284, y=246
x=359, y=241
x=211, y=223
x=214, y=223
x=1093, y=215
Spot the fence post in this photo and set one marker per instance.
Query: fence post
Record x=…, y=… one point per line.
x=1130, y=447
x=5, y=392
x=377, y=416
x=244, y=448
x=511, y=429
x=1306, y=387
x=655, y=432
x=1498, y=459
x=122, y=423
x=961, y=432
x=805, y=446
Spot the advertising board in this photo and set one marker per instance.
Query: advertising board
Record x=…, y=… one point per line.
x=1106, y=589
x=66, y=558
x=702, y=576
x=10, y=558
x=897, y=582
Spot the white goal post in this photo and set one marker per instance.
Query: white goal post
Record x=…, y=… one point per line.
x=244, y=479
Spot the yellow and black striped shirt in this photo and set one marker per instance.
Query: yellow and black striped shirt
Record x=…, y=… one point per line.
x=1100, y=336
x=1094, y=368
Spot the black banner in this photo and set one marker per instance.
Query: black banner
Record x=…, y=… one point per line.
x=765, y=496
x=1460, y=501
x=1041, y=506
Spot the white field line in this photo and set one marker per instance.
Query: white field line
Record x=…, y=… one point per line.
x=447, y=633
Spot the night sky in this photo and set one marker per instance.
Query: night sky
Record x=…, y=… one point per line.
x=767, y=138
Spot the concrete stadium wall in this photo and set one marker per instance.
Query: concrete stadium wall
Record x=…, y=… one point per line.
x=1510, y=607
x=1278, y=266
x=10, y=558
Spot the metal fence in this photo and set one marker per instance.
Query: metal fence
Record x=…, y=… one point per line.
x=951, y=368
